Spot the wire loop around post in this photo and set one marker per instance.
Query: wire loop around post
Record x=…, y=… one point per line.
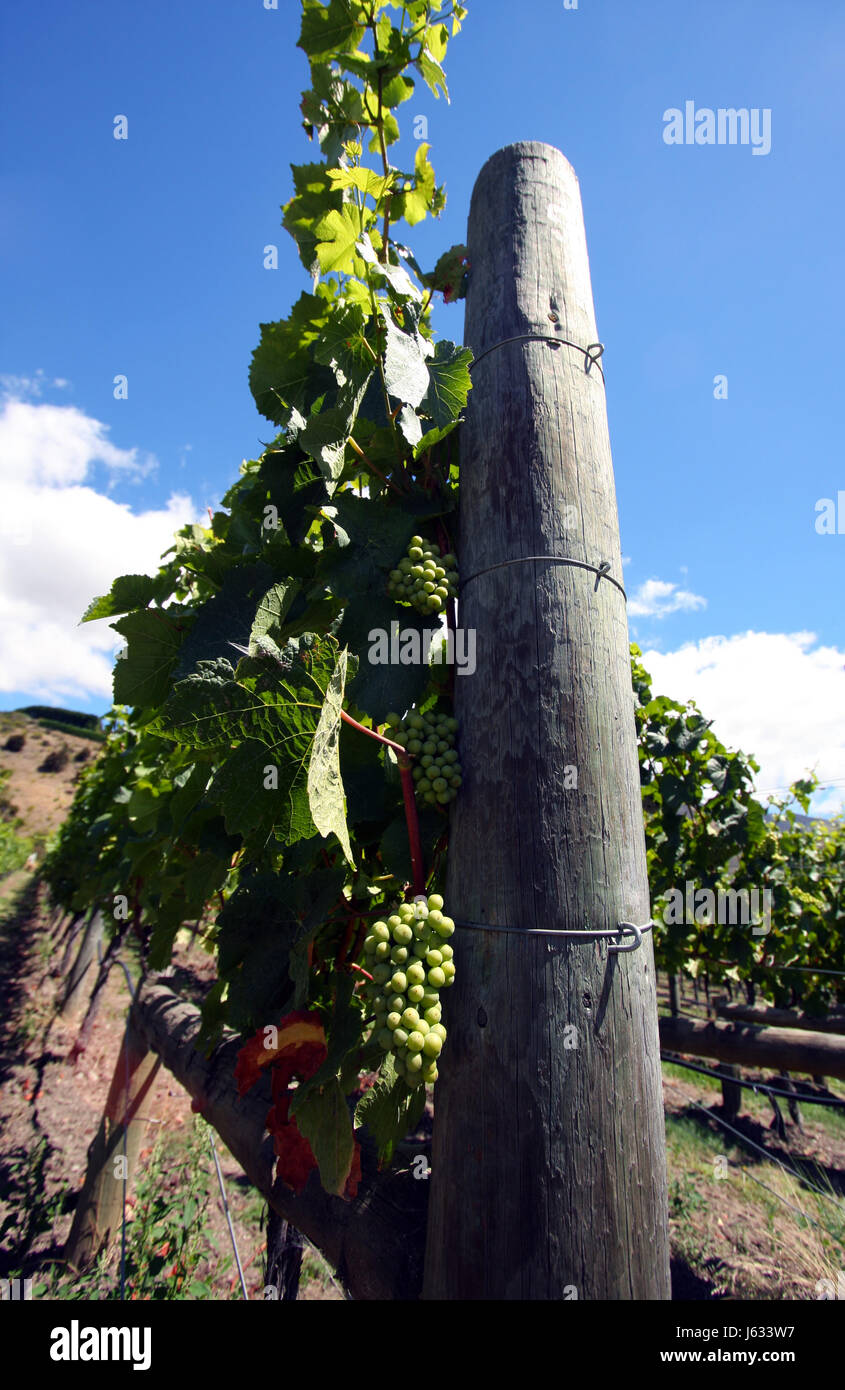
x=623, y=929
x=592, y=352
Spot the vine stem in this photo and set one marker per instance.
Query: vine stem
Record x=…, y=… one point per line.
x=371, y=733
x=356, y=448
x=411, y=817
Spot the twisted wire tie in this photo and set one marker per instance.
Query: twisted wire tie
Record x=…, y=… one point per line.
x=623, y=929
x=601, y=571
x=592, y=352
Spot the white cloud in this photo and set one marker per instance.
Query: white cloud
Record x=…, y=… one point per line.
x=777, y=696
x=58, y=444
x=29, y=387
x=62, y=543
x=657, y=597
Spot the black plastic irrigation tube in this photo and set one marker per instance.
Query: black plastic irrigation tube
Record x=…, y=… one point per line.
x=755, y=1085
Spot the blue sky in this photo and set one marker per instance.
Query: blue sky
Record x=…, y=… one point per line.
x=144, y=257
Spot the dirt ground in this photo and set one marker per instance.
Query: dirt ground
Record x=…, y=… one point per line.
x=42, y=798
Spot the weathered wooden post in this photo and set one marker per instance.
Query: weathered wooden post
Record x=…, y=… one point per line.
x=111, y=1162
x=548, y=1167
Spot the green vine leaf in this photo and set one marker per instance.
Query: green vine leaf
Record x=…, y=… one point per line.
x=323, y=1119
x=449, y=384
x=389, y=1110
x=325, y=785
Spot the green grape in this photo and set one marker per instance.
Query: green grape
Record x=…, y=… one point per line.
x=433, y=1045
x=435, y=903
x=403, y=934
x=448, y=969
x=430, y=1073
x=429, y=999
x=434, y=958
x=393, y=1021
x=415, y=973
x=381, y=931
x=436, y=977
x=410, y=1018
x=382, y=950
x=445, y=928
x=416, y=993
x=396, y=1003
x=421, y=947
x=416, y=1041
x=385, y=1039
x=400, y=1037
x=433, y=1015
x=370, y=944
x=392, y=718
x=439, y=1029
x=414, y=1064
x=381, y=973
x=446, y=950
x=399, y=955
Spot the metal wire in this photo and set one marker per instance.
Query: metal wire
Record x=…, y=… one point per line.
x=765, y=1152
x=226, y=1213
x=601, y=571
x=623, y=929
x=755, y=1086
x=592, y=353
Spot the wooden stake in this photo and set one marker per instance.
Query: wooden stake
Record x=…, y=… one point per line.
x=548, y=1167
x=98, y=1213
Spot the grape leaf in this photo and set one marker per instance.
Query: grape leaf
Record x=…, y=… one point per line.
x=405, y=369
x=337, y=233
x=128, y=592
x=327, y=29
x=325, y=785
x=449, y=383
x=323, y=1119
x=389, y=1110
x=154, y=636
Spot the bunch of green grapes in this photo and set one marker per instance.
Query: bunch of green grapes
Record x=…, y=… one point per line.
x=423, y=579
x=430, y=737
x=410, y=960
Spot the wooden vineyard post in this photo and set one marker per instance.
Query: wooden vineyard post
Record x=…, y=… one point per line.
x=78, y=990
x=98, y=1213
x=548, y=1164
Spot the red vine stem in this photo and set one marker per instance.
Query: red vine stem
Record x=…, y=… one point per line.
x=344, y=945
x=361, y=970
x=405, y=765
x=413, y=824
x=371, y=733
